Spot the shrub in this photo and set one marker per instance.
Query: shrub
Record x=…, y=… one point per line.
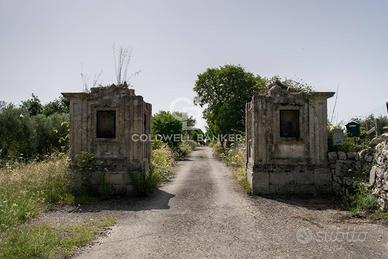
x=83, y=166
x=15, y=130
x=350, y=144
x=367, y=202
x=52, y=133
x=166, y=126
x=45, y=134
x=142, y=183
x=163, y=162
x=362, y=202
x=218, y=149
x=184, y=149
x=156, y=144
x=162, y=170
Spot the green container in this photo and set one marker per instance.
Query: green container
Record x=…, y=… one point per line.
x=353, y=129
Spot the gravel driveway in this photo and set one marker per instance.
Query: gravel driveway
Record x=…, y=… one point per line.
x=204, y=213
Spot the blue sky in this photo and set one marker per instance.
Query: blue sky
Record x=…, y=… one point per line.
x=45, y=45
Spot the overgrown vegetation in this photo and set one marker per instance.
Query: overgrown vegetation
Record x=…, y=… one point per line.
x=84, y=165
x=362, y=203
x=163, y=161
x=45, y=241
x=32, y=130
x=352, y=144
x=292, y=85
x=168, y=128
x=27, y=190
x=234, y=157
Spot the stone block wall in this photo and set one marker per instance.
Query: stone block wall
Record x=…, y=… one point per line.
x=286, y=136
x=378, y=178
x=372, y=160
x=116, y=154
x=343, y=168
x=290, y=179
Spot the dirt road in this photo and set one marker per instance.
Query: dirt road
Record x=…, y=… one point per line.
x=204, y=213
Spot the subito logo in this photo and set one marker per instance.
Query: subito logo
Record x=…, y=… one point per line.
x=304, y=235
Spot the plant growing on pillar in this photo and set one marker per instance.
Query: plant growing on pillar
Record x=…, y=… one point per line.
x=122, y=58
x=83, y=166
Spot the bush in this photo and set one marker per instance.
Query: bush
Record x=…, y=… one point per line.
x=162, y=170
x=166, y=126
x=156, y=144
x=24, y=137
x=84, y=165
x=142, y=183
x=52, y=133
x=26, y=133
x=218, y=149
x=368, y=203
x=350, y=144
x=184, y=149
x=17, y=135
x=362, y=202
x=163, y=162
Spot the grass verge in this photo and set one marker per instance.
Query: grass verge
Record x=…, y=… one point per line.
x=27, y=190
x=45, y=241
x=163, y=162
x=235, y=157
x=363, y=204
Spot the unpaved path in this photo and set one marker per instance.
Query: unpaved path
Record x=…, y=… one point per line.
x=204, y=213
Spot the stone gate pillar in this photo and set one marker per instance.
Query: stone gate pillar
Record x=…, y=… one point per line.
x=286, y=136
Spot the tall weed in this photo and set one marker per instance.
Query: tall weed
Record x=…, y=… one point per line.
x=28, y=189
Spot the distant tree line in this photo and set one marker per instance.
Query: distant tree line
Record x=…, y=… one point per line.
x=33, y=130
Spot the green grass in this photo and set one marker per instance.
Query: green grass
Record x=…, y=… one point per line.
x=235, y=157
x=143, y=184
x=163, y=161
x=380, y=215
x=364, y=204
x=27, y=190
x=44, y=241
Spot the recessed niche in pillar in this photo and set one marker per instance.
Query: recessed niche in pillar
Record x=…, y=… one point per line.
x=106, y=124
x=289, y=124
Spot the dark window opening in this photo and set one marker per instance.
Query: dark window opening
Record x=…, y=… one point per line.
x=106, y=124
x=289, y=124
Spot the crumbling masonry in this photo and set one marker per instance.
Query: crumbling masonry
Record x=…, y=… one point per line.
x=102, y=122
x=286, y=136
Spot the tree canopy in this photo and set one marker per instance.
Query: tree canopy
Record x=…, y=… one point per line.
x=167, y=125
x=188, y=121
x=223, y=92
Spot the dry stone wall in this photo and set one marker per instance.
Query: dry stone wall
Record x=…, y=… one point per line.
x=378, y=178
x=345, y=167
